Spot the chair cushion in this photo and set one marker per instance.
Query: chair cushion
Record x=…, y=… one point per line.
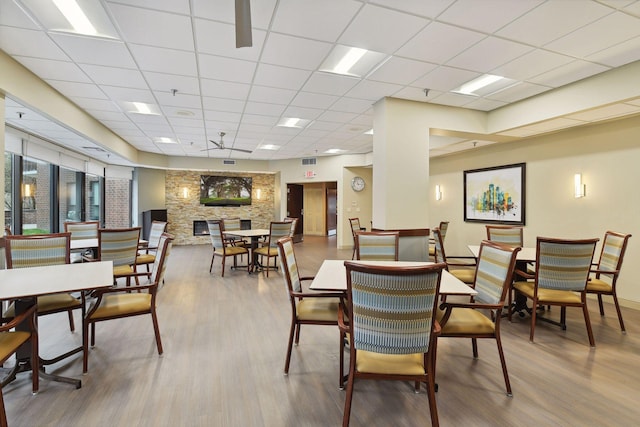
x=597, y=285
x=318, y=309
x=122, y=304
x=122, y=270
x=47, y=303
x=548, y=295
x=10, y=341
x=267, y=251
x=231, y=251
x=464, y=275
x=145, y=259
x=394, y=364
x=466, y=321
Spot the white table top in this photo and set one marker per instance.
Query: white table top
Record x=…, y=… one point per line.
x=51, y=279
x=256, y=232
x=332, y=276
x=525, y=254
x=84, y=243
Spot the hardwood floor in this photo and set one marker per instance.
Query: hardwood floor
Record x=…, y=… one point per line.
x=224, y=348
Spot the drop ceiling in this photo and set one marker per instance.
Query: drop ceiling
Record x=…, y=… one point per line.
x=180, y=56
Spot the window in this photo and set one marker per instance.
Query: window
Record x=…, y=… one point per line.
x=36, y=196
x=93, y=202
x=70, y=196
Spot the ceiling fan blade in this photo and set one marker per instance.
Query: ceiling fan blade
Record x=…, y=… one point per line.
x=243, y=24
x=217, y=144
x=239, y=149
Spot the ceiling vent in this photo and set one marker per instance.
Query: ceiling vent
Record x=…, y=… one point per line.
x=228, y=162
x=309, y=161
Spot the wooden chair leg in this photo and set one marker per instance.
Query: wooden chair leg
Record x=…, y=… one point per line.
x=533, y=320
x=600, y=305
x=72, y=325
x=615, y=302
x=289, y=348
x=156, y=330
x=503, y=362
x=585, y=310
x=474, y=346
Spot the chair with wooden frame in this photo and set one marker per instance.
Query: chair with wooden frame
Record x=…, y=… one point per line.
x=506, y=234
x=391, y=326
x=307, y=308
x=443, y=227
x=41, y=250
x=277, y=230
x=561, y=274
x=494, y=271
x=608, y=269
x=11, y=339
x=294, y=224
x=377, y=245
x=355, y=228
x=233, y=224
x=82, y=231
x=221, y=247
x=147, y=253
x=118, y=302
x=465, y=274
x=120, y=245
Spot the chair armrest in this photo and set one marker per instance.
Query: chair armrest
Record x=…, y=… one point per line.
x=456, y=263
x=342, y=324
x=523, y=274
x=30, y=313
x=604, y=271
x=437, y=328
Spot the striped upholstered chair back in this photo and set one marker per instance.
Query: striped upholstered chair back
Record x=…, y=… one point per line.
x=119, y=245
x=82, y=230
x=391, y=308
x=156, y=230
x=37, y=250
x=231, y=224
x=564, y=264
x=215, y=233
x=278, y=230
x=494, y=272
x=613, y=249
x=439, y=255
x=160, y=263
x=289, y=266
x=377, y=245
x=505, y=234
x=444, y=226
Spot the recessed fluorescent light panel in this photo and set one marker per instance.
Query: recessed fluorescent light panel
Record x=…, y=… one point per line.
x=86, y=17
x=334, y=151
x=269, y=147
x=351, y=61
x=484, y=85
x=164, y=140
x=140, y=108
x=369, y=132
x=293, y=122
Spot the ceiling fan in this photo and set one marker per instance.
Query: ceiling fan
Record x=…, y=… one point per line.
x=220, y=145
x=243, y=24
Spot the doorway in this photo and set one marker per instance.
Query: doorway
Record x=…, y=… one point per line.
x=295, y=199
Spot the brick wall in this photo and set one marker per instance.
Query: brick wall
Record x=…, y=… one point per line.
x=182, y=212
x=117, y=195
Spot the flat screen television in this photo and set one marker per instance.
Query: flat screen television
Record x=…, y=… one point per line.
x=222, y=190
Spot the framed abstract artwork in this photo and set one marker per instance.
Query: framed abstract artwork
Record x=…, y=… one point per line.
x=495, y=194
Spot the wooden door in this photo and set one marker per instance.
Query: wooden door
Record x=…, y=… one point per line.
x=314, y=210
x=295, y=197
x=332, y=211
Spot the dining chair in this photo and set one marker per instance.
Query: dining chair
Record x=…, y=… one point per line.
x=119, y=302
x=506, y=234
x=443, y=227
x=82, y=230
x=355, y=228
x=307, y=308
x=12, y=337
x=42, y=250
x=222, y=248
x=294, y=224
x=233, y=224
x=390, y=326
x=147, y=253
x=608, y=269
x=466, y=273
x=561, y=274
x=494, y=271
x=120, y=245
x=277, y=230
x=377, y=245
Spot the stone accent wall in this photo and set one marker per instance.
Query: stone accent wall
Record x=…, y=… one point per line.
x=181, y=212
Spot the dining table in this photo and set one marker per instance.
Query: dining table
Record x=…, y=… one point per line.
x=24, y=285
x=332, y=276
x=254, y=235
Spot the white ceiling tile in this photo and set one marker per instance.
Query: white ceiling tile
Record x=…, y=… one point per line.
x=337, y=116
x=13, y=16
x=620, y=54
x=219, y=68
x=224, y=11
x=120, y=94
x=486, y=16
x=166, y=61
x=484, y=104
x=608, y=31
x=154, y=28
x=294, y=52
x=364, y=119
x=221, y=116
x=54, y=70
x=428, y=9
x=88, y=50
x=221, y=89
x=401, y=71
x=330, y=84
x=381, y=30
x=313, y=19
x=181, y=6
x=180, y=100
x=351, y=105
x=450, y=42
x=276, y=76
x=264, y=109
x=445, y=78
x=18, y=41
x=302, y=112
x=112, y=76
x=326, y=126
x=568, y=73
x=373, y=91
x=109, y=116
x=550, y=21
x=313, y=100
x=414, y=94
x=453, y=99
x=254, y=121
x=517, y=92
x=271, y=95
x=95, y=104
x=166, y=82
x=71, y=89
x=531, y=64
x=218, y=38
x=223, y=104
x=489, y=54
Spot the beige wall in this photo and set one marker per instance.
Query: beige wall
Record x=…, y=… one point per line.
x=606, y=155
x=149, y=191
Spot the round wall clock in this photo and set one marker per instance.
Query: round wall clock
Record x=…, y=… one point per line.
x=357, y=184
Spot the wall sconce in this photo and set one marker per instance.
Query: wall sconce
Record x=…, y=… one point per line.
x=579, y=187
x=438, y=192
x=258, y=194
x=27, y=190
x=185, y=193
